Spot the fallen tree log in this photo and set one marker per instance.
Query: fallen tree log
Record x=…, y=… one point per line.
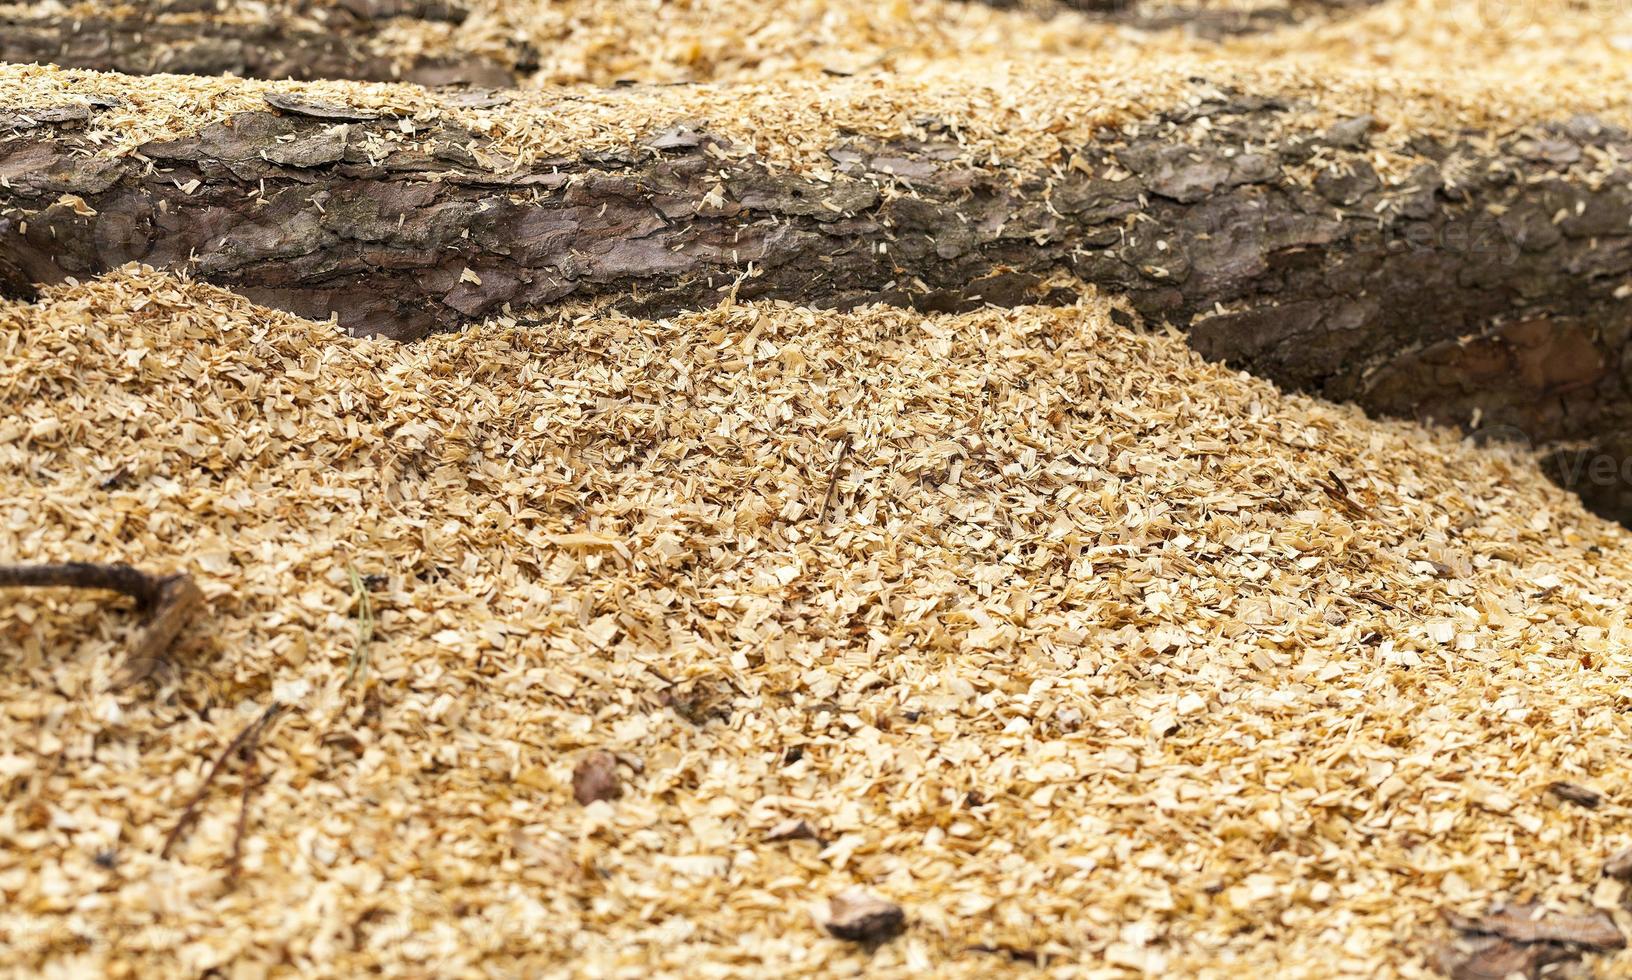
x=303, y=41
x=1487, y=286
x=349, y=40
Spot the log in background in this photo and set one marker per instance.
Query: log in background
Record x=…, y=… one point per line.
x=1487, y=291
x=305, y=40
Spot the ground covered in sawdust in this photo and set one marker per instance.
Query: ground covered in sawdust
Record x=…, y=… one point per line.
x=1085, y=652
x=1079, y=648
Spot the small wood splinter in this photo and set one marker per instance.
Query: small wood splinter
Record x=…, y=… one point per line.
x=167, y=602
x=833, y=482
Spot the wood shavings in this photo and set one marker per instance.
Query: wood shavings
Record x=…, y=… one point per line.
x=1035, y=111
x=1077, y=570
x=1110, y=657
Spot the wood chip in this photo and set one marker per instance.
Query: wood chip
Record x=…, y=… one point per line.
x=792, y=829
x=1620, y=865
x=596, y=778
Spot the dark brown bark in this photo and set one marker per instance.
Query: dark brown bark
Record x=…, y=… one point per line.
x=1201, y=17
x=301, y=41
x=1490, y=288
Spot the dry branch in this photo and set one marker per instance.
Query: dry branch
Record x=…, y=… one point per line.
x=243, y=745
x=167, y=602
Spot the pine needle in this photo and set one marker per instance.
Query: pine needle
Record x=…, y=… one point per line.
x=365, y=624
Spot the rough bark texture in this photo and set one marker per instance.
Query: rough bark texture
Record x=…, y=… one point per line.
x=1490, y=288
x=301, y=41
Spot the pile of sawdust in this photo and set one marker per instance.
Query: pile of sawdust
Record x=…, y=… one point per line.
x=603, y=42
x=598, y=42
x=1075, y=646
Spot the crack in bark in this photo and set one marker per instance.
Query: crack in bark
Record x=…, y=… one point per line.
x=1200, y=17
x=1489, y=287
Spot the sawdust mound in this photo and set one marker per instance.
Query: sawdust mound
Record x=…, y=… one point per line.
x=1074, y=645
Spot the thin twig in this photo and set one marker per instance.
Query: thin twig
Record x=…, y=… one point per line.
x=1379, y=600
x=252, y=780
x=167, y=601
x=235, y=863
x=248, y=737
x=833, y=481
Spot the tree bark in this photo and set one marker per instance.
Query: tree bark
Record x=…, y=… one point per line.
x=1204, y=18
x=298, y=40
x=1490, y=288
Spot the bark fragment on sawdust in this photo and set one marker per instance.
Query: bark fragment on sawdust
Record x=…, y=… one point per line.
x=863, y=917
x=596, y=778
x=1523, y=940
